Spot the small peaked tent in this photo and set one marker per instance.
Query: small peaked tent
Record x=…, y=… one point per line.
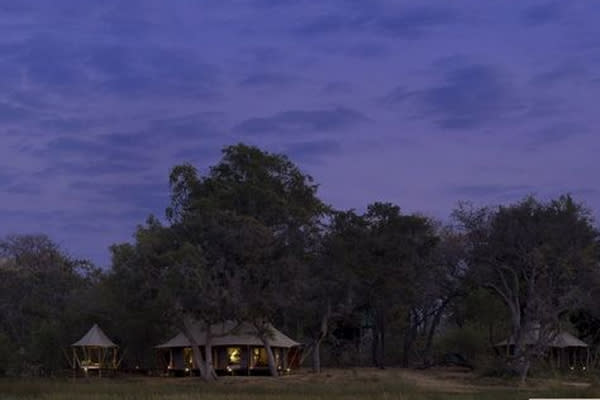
x=236, y=348
x=97, y=352
x=95, y=337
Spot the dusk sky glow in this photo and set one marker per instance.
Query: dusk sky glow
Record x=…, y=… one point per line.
x=420, y=103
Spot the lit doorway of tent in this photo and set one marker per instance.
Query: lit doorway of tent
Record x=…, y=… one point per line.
x=234, y=359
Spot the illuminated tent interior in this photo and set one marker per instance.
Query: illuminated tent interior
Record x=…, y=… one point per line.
x=236, y=350
x=95, y=352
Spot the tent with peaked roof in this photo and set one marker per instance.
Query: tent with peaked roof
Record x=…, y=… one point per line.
x=560, y=340
x=95, y=337
x=95, y=351
x=236, y=347
x=563, y=350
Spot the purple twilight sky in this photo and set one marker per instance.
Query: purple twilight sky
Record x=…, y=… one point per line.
x=419, y=103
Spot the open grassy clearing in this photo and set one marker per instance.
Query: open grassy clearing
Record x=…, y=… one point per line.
x=334, y=384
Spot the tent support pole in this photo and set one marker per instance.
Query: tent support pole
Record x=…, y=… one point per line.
x=587, y=359
x=75, y=363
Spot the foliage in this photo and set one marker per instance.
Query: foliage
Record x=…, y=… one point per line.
x=533, y=255
x=39, y=303
x=468, y=341
x=131, y=303
x=7, y=354
x=251, y=240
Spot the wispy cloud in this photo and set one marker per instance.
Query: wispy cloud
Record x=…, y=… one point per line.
x=416, y=22
x=570, y=71
x=406, y=22
x=544, y=12
x=337, y=87
x=552, y=134
x=302, y=122
x=470, y=96
x=114, y=93
x=487, y=190
x=266, y=79
x=312, y=151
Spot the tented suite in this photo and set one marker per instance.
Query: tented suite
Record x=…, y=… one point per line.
x=95, y=352
x=563, y=350
x=236, y=350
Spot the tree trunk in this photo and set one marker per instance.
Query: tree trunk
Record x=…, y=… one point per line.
x=429, y=342
x=378, y=348
x=322, y=334
x=374, y=343
x=270, y=356
x=317, y=357
x=524, y=364
x=431, y=333
x=196, y=353
x=381, y=348
x=210, y=368
x=519, y=331
x=409, y=338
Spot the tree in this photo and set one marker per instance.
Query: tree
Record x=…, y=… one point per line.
x=167, y=276
x=386, y=261
x=255, y=214
x=133, y=300
x=532, y=255
x=447, y=283
x=330, y=288
x=39, y=288
x=398, y=274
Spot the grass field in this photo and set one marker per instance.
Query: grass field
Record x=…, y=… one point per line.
x=334, y=384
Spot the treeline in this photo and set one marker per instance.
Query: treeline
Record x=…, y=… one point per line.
x=251, y=241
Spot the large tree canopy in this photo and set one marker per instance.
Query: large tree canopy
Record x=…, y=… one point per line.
x=533, y=255
x=249, y=240
x=43, y=296
x=383, y=262
x=237, y=238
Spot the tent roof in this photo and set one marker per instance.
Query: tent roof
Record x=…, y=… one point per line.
x=94, y=338
x=561, y=340
x=230, y=333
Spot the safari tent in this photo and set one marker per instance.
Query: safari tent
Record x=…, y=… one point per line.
x=236, y=350
x=563, y=350
x=95, y=352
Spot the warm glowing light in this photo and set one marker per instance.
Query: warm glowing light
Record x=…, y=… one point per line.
x=235, y=355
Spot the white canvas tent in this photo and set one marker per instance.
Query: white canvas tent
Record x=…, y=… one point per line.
x=560, y=340
x=563, y=349
x=95, y=337
x=95, y=351
x=235, y=347
x=230, y=333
